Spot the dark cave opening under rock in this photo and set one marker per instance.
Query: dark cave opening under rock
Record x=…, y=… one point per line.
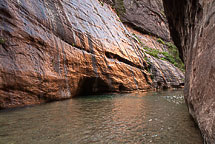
x=92, y=86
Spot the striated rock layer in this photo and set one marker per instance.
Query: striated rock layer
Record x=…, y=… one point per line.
x=163, y=73
x=192, y=25
x=146, y=16
x=53, y=50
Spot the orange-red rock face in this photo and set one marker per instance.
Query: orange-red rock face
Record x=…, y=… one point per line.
x=58, y=49
x=53, y=50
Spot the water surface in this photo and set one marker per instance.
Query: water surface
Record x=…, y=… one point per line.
x=154, y=117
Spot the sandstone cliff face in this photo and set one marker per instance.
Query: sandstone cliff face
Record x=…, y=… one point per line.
x=53, y=50
x=192, y=25
x=146, y=16
x=163, y=73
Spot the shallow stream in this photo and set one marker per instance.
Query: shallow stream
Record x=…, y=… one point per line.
x=143, y=118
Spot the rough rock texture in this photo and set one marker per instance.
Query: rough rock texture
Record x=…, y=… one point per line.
x=53, y=50
x=192, y=25
x=145, y=15
x=163, y=73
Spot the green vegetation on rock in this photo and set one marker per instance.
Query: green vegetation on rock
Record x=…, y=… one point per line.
x=162, y=12
x=101, y=2
x=136, y=38
x=119, y=7
x=152, y=52
x=164, y=56
x=171, y=56
x=2, y=41
x=161, y=41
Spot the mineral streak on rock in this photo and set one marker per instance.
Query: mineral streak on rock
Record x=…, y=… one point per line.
x=54, y=50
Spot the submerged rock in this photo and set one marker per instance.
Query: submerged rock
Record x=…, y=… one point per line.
x=56, y=50
x=192, y=25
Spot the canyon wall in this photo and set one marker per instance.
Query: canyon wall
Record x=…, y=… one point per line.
x=192, y=26
x=146, y=16
x=53, y=50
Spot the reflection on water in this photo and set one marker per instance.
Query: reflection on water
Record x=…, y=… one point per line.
x=126, y=118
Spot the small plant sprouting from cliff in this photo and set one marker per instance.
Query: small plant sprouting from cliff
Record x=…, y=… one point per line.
x=119, y=7
x=136, y=38
x=101, y=2
x=146, y=58
x=152, y=52
x=162, y=12
x=174, y=52
x=2, y=41
x=148, y=68
x=161, y=41
x=119, y=20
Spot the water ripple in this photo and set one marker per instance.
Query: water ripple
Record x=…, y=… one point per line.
x=155, y=117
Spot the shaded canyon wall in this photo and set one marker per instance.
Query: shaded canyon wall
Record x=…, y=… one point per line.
x=147, y=16
x=192, y=26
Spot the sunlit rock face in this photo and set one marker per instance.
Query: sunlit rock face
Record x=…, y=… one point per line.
x=54, y=50
x=192, y=25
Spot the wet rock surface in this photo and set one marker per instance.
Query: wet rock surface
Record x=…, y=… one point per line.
x=54, y=50
x=192, y=28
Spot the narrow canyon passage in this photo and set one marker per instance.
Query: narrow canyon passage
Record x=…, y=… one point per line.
x=192, y=26
x=53, y=50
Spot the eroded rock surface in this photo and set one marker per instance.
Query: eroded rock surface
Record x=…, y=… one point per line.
x=192, y=25
x=53, y=50
x=146, y=16
x=163, y=73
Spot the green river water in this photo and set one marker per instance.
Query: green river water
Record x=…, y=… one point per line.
x=141, y=118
